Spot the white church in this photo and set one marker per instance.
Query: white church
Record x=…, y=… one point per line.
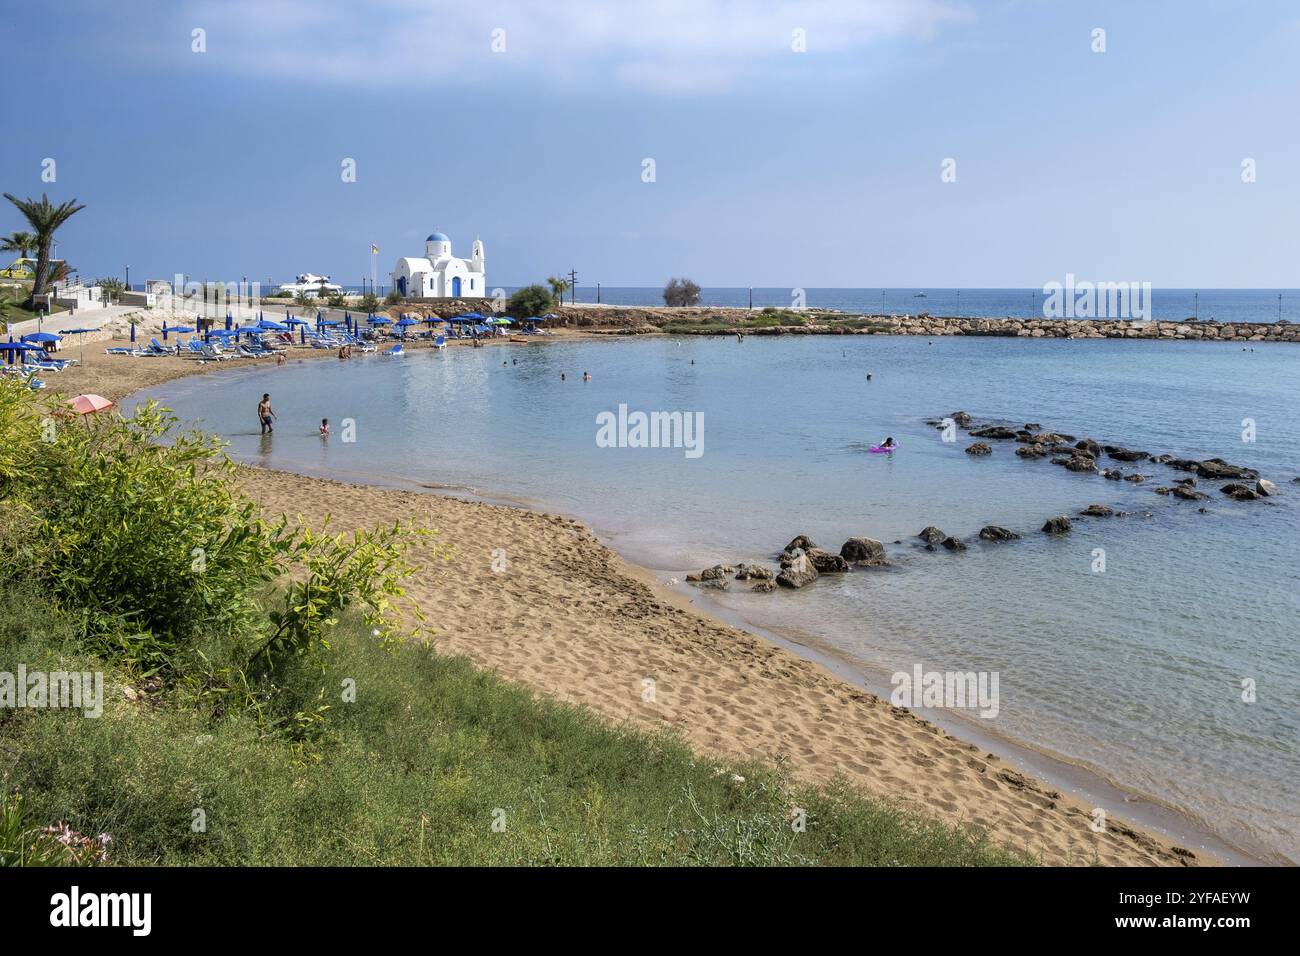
x=439, y=275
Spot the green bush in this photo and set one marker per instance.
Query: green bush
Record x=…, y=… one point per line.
x=681, y=292
x=144, y=533
x=530, y=302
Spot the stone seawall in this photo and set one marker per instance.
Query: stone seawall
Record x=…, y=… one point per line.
x=730, y=321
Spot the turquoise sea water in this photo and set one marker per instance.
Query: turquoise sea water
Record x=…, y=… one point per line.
x=1135, y=672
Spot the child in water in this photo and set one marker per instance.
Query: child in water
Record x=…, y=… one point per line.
x=324, y=428
x=887, y=443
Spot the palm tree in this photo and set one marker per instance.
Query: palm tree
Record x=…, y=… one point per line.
x=306, y=302
x=18, y=242
x=44, y=219
x=558, y=285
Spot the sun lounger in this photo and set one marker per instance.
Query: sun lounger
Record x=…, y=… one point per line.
x=440, y=342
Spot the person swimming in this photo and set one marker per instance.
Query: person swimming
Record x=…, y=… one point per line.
x=586, y=376
x=888, y=442
x=324, y=428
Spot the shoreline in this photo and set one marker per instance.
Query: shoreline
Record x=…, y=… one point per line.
x=1027, y=814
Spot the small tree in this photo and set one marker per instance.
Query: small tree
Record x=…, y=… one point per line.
x=530, y=302
x=681, y=292
x=393, y=298
x=110, y=289
x=368, y=303
x=558, y=284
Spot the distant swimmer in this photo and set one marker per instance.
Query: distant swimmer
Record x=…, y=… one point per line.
x=868, y=376
x=561, y=376
x=586, y=376
x=324, y=428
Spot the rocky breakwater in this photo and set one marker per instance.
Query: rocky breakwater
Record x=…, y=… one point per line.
x=725, y=321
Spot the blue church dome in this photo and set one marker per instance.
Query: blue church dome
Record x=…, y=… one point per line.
x=437, y=237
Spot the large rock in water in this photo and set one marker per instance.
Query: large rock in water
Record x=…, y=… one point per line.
x=961, y=418
x=1265, y=488
x=798, y=573
x=991, y=532
x=1098, y=511
x=1218, y=468
x=753, y=572
x=825, y=562
x=931, y=535
x=800, y=543
x=1058, y=525
x=863, y=551
x=1127, y=454
x=1239, y=492
x=979, y=448
x=954, y=544
x=1188, y=493
x=994, y=431
x=1090, y=446
x=1031, y=451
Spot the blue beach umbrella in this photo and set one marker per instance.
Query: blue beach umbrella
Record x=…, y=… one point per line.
x=164, y=330
x=229, y=320
x=82, y=340
x=132, y=328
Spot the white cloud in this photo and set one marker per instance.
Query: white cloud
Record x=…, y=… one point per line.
x=666, y=46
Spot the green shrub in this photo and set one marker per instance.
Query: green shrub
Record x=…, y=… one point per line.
x=143, y=532
x=530, y=302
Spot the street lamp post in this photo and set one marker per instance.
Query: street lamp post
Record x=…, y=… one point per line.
x=128, y=278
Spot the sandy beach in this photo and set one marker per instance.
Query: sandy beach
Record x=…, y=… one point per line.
x=569, y=618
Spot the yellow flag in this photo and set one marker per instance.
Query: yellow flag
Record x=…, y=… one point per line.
x=374, y=250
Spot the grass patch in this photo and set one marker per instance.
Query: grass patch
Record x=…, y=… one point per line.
x=416, y=771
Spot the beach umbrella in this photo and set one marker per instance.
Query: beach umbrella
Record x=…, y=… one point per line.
x=380, y=320
x=12, y=348
x=405, y=321
x=164, y=330
x=229, y=320
x=40, y=337
x=89, y=404
x=133, y=329
x=294, y=320
x=302, y=334
x=272, y=326
x=82, y=333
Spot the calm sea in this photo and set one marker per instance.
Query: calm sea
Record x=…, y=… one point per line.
x=1135, y=672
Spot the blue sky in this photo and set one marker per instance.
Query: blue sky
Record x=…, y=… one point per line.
x=772, y=167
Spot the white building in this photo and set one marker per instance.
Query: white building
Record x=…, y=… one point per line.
x=439, y=275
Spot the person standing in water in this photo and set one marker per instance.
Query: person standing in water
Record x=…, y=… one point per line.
x=265, y=415
x=324, y=428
